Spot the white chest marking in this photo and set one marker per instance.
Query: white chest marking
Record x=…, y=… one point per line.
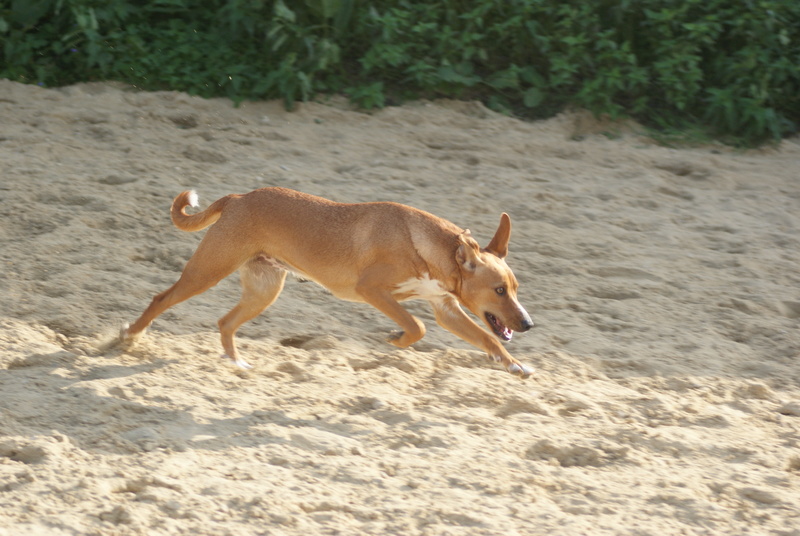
x=421, y=288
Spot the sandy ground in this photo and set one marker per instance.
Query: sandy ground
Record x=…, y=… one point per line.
x=664, y=284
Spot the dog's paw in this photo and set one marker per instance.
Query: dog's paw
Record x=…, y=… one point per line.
x=518, y=369
x=239, y=362
x=395, y=336
x=125, y=336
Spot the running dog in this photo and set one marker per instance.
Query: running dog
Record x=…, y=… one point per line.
x=378, y=253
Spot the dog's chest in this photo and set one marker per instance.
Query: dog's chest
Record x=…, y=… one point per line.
x=420, y=288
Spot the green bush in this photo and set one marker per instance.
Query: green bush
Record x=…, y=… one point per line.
x=731, y=67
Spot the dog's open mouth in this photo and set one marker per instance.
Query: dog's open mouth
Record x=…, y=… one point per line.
x=502, y=331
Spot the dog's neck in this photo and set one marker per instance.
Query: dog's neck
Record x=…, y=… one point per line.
x=454, y=280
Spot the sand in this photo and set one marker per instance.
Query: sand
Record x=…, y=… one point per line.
x=664, y=284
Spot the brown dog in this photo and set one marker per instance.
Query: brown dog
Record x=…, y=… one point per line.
x=377, y=253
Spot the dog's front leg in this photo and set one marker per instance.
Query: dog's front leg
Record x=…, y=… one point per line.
x=451, y=317
x=371, y=290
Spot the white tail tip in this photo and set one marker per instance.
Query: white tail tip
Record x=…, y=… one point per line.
x=193, y=199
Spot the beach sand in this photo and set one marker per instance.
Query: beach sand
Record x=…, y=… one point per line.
x=665, y=286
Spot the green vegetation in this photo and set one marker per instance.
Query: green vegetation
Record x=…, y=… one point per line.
x=729, y=67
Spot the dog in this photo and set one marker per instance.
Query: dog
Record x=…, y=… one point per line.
x=380, y=253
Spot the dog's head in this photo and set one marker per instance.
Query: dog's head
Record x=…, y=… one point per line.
x=488, y=287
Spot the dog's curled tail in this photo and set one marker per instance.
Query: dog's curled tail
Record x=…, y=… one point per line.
x=195, y=222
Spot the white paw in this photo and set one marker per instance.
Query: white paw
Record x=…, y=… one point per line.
x=523, y=371
x=125, y=336
x=239, y=362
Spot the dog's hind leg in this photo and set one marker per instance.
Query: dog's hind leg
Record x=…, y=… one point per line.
x=210, y=264
x=261, y=285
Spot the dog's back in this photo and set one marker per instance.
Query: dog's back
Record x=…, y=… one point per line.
x=309, y=232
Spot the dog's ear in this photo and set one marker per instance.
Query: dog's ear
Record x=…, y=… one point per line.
x=467, y=252
x=499, y=244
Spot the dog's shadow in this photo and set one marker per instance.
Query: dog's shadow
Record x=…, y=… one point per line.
x=81, y=397
x=108, y=403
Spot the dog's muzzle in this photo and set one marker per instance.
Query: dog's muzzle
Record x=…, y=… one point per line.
x=525, y=324
x=525, y=321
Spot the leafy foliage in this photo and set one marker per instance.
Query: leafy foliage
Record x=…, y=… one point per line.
x=729, y=66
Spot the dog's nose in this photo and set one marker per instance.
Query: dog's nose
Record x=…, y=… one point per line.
x=526, y=324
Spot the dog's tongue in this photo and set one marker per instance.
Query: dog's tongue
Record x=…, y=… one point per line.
x=500, y=329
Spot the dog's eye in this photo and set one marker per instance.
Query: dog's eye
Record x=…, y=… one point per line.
x=501, y=291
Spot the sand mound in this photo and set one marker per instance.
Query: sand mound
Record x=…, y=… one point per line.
x=664, y=285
